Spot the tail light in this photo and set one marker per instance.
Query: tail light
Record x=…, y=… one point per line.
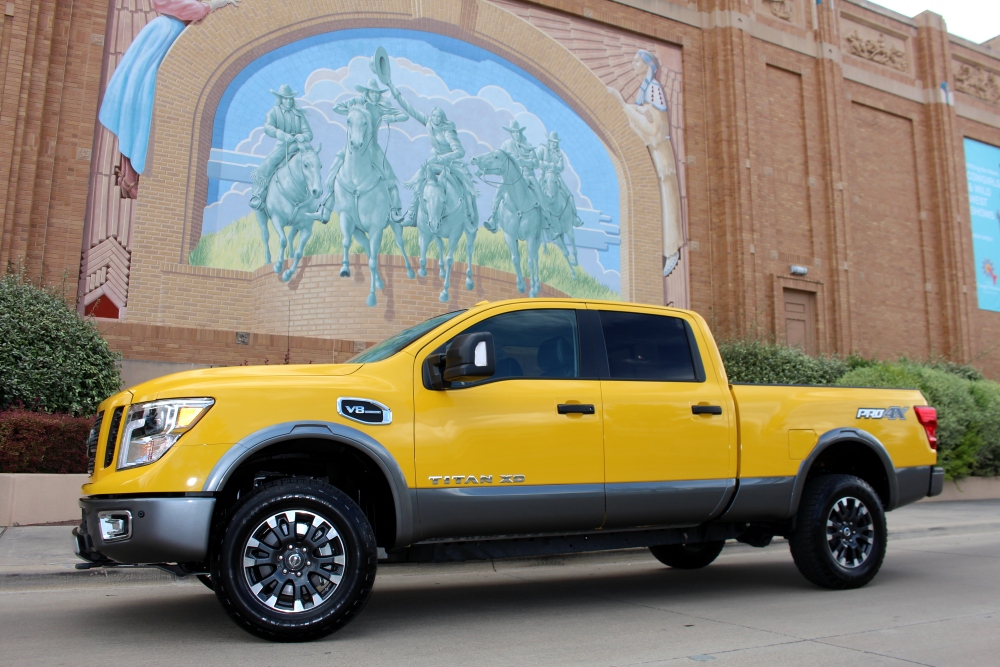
x=927, y=416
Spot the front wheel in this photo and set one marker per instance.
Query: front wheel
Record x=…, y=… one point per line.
x=840, y=538
x=688, y=556
x=295, y=562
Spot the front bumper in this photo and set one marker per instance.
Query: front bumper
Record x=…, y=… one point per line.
x=162, y=530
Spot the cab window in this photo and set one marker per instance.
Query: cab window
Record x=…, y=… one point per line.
x=648, y=347
x=535, y=344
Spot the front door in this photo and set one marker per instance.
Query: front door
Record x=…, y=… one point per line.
x=520, y=452
x=668, y=423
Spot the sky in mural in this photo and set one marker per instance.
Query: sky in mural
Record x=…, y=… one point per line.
x=478, y=90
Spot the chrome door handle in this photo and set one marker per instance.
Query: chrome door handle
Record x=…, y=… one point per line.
x=706, y=410
x=575, y=409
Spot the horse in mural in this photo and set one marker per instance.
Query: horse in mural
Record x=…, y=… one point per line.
x=294, y=191
x=519, y=212
x=442, y=216
x=562, y=218
x=362, y=201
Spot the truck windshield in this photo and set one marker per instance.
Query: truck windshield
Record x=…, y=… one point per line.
x=391, y=346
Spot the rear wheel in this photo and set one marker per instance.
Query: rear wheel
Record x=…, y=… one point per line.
x=840, y=537
x=295, y=562
x=688, y=556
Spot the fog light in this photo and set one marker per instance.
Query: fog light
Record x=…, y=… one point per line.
x=115, y=526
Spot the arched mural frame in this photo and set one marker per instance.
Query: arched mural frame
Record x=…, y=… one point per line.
x=207, y=57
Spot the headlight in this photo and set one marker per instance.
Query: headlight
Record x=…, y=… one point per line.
x=152, y=428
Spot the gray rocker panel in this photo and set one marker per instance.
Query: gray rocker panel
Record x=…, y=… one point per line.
x=485, y=511
x=676, y=503
x=401, y=495
x=760, y=499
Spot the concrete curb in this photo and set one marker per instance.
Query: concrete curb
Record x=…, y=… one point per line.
x=970, y=488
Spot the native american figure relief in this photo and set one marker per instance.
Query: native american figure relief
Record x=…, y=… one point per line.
x=650, y=119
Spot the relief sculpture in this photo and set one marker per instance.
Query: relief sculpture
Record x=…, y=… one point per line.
x=977, y=82
x=650, y=119
x=877, y=50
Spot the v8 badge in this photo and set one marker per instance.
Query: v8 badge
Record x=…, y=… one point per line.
x=364, y=410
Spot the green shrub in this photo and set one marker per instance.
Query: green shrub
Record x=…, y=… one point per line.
x=756, y=362
x=33, y=442
x=51, y=359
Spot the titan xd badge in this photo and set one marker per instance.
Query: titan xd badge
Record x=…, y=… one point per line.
x=364, y=410
x=475, y=479
x=882, y=413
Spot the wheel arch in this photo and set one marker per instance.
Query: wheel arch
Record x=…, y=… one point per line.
x=832, y=454
x=362, y=443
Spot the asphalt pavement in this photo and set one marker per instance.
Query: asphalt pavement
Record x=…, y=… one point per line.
x=935, y=602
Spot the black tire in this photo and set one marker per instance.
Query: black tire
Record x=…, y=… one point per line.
x=207, y=580
x=688, y=556
x=325, y=553
x=849, y=552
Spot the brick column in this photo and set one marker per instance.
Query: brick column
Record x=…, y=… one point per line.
x=727, y=48
x=833, y=112
x=948, y=301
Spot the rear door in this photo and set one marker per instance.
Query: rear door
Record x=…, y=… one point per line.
x=668, y=422
x=522, y=451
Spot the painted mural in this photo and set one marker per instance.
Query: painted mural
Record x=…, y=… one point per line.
x=982, y=164
x=350, y=147
x=408, y=143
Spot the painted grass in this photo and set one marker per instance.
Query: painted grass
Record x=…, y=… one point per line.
x=240, y=247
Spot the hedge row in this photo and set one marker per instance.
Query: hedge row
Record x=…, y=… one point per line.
x=36, y=442
x=968, y=404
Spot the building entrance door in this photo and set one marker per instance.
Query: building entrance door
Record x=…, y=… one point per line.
x=800, y=319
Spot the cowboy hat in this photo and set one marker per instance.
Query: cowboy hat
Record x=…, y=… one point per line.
x=514, y=127
x=554, y=136
x=285, y=91
x=371, y=87
x=380, y=65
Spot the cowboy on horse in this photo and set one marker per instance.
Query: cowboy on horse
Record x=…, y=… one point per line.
x=287, y=123
x=524, y=156
x=447, y=154
x=371, y=101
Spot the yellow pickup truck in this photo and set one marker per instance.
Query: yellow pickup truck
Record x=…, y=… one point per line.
x=513, y=428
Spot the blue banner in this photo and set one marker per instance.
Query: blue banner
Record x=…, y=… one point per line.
x=982, y=165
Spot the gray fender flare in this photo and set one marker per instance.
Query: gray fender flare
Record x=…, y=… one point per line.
x=838, y=436
x=401, y=495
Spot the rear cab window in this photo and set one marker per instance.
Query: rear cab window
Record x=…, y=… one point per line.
x=648, y=347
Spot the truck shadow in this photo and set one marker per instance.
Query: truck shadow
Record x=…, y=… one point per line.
x=412, y=600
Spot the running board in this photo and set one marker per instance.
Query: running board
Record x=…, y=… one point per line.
x=548, y=545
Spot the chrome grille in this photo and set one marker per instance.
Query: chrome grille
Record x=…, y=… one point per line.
x=112, y=441
x=95, y=433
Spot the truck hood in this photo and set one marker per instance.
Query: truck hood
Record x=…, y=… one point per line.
x=189, y=383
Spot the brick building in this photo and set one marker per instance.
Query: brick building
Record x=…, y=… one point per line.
x=820, y=156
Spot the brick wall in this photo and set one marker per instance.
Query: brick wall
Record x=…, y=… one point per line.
x=50, y=69
x=803, y=145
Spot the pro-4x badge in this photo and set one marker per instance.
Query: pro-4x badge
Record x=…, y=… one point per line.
x=882, y=413
x=364, y=410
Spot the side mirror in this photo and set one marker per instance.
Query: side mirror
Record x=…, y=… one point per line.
x=470, y=357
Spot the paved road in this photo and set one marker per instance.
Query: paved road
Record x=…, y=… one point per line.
x=936, y=602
